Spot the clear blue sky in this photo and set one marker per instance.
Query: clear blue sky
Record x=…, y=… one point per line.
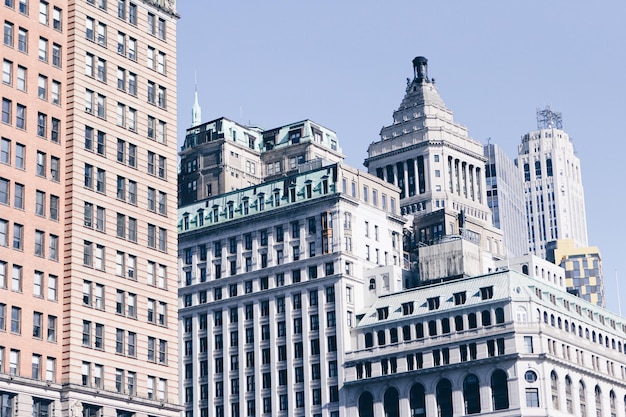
x=344, y=64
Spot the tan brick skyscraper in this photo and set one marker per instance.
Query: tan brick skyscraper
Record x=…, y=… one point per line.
x=88, y=245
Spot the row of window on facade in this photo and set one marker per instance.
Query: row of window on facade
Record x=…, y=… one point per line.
x=44, y=244
x=41, y=407
x=129, y=12
x=434, y=327
x=443, y=397
x=583, y=332
x=264, y=309
x=46, y=126
x=263, y=282
x=44, y=52
x=571, y=400
x=282, y=404
x=125, y=381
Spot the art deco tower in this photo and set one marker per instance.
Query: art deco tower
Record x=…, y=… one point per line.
x=88, y=286
x=555, y=200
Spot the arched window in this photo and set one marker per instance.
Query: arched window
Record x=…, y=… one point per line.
x=471, y=320
x=554, y=388
x=593, y=336
x=499, y=315
x=613, y=403
x=587, y=334
x=552, y=320
x=393, y=335
x=537, y=169
x=444, y=398
x=525, y=269
x=458, y=323
x=366, y=405
x=569, y=403
x=499, y=390
x=445, y=325
x=418, y=401
x=521, y=315
x=598, y=395
x=419, y=331
x=545, y=317
x=582, y=399
x=372, y=284
x=471, y=394
x=559, y=323
x=369, y=340
x=381, y=337
x=549, y=167
x=391, y=405
x=406, y=333
x=432, y=328
x=485, y=317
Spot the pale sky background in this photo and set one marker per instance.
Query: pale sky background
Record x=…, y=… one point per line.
x=344, y=65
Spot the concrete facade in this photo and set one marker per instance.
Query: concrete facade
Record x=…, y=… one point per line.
x=504, y=344
x=88, y=244
x=505, y=198
x=436, y=165
x=555, y=200
x=273, y=276
x=222, y=156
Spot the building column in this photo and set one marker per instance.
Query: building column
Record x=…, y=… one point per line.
x=405, y=168
x=471, y=193
x=430, y=401
x=395, y=173
x=417, y=177
x=428, y=177
x=379, y=408
x=485, y=397
x=404, y=407
x=458, y=405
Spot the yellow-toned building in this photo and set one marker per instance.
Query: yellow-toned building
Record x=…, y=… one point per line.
x=583, y=269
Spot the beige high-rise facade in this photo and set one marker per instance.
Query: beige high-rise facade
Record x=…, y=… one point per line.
x=88, y=245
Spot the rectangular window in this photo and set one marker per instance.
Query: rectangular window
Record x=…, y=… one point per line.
x=21, y=78
x=20, y=116
x=56, y=55
x=56, y=19
x=8, y=34
x=43, y=49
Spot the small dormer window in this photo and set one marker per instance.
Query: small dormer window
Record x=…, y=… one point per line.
x=231, y=210
x=261, y=202
x=407, y=308
x=294, y=136
x=460, y=298
x=486, y=293
x=201, y=217
x=383, y=313
x=433, y=303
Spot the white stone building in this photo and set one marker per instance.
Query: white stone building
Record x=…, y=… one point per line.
x=505, y=198
x=502, y=344
x=555, y=200
x=272, y=278
x=436, y=165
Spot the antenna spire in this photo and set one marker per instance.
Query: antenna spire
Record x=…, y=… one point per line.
x=196, y=110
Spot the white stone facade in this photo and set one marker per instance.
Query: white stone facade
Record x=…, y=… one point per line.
x=555, y=200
